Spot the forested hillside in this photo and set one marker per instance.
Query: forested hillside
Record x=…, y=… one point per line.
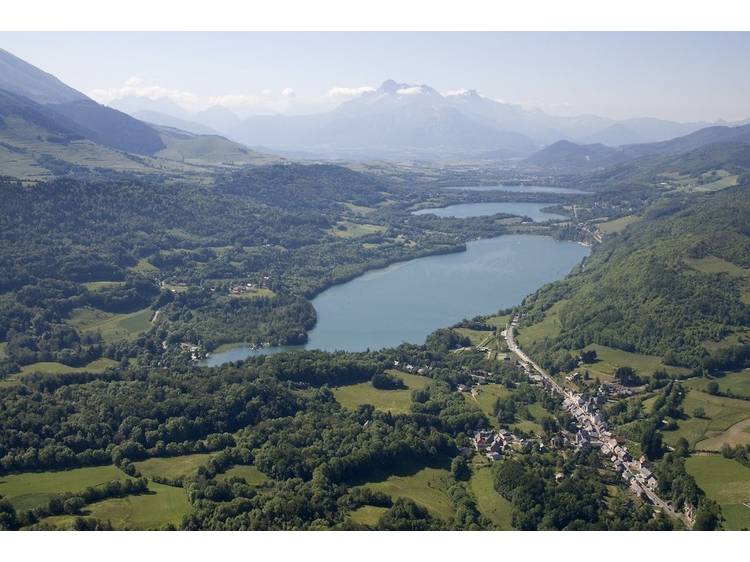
x=674, y=285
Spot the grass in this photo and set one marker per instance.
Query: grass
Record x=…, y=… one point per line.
x=172, y=467
x=712, y=264
x=490, y=503
x=252, y=475
x=99, y=285
x=163, y=505
x=498, y=321
x=144, y=266
x=111, y=326
x=28, y=490
x=609, y=358
x=737, y=383
x=488, y=395
x=348, y=229
x=728, y=483
x=395, y=401
x=477, y=337
x=256, y=294
x=3, y=350
x=367, y=515
x=549, y=327
x=618, y=225
x=721, y=414
x=427, y=486
x=50, y=367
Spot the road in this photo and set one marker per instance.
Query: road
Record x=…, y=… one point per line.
x=580, y=413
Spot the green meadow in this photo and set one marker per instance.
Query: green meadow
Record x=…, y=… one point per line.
x=111, y=326
x=490, y=503
x=27, y=490
x=728, y=483
x=395, y=401
x=172, y=467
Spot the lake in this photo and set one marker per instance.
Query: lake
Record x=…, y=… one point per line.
x=407, y=301
x=520, y=189
x=468, y=210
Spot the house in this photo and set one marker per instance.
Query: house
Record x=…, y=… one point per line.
x=462, y=388
x=645, y=472
x=652, y=483
x=559, y=476
x=494, y=456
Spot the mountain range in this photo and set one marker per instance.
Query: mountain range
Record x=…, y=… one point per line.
x=44, y=122
x=400, y=120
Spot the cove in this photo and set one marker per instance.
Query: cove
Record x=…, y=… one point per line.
x=407, y=301
x=468, y=210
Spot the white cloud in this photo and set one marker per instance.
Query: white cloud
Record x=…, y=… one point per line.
x=139, y=88
x=288, y=93
x=345, y=92
x=455, y=93
x=410, y=91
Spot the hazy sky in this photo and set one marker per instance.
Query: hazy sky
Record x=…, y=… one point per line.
x=680, y=76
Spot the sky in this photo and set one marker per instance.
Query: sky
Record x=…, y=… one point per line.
x=676, y=76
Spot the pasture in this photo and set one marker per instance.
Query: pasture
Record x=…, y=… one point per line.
x=111, y=326
x=367, y=515
x=549, y=327
x=250, y=473
x=50, y=367
x=728, y=483
x=27, y=490
x=490, y=503
x=348, y=229
x=737, y=383
x=395, y=401
x=609, y=358
x=720, y=414
x=172, y=467
x=153, y=510
x=427, y=486
x=618, y=225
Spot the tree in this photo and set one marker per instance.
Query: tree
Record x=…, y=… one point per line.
x=589, y=356
x=651, y=442
x=713, y=388
x=460, y=468
x=708, y=516
x=699, y=412
x=627, y=376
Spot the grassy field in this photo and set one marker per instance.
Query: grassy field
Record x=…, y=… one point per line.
x=99, y=285
x=427, y=486
x=738, y=383
x=163, y=505
x=712, y=264
x=721, y=414
x=144, y=266
x=477, y=337
x=618, y=225
x=609, y=358
x=498, y=321
x=396, y=401
x=256, y=294
x=549, y=327
x=728, y=483
x=367, y=515
x=491, y=504
x=3, y=352
x=50, y=367
x=111, y=326
x=28, y=490
x=488, y=395
x=172, y=467
x=252, y=475
x=348, y=229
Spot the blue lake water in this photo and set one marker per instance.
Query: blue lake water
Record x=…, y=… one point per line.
x=468, y=210
x=407, y=301
x=520, y=189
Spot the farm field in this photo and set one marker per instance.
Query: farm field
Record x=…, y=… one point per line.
x=111, y=326
x=427, y=486
x=162, y=506
x=490, y=503
x=721, y=413
x=172, y=467
x=98, y=285
x=728, y=483
x=27, y=490
x=713, y=264
x=395, y=401
x=485, y=400
x=251, y=474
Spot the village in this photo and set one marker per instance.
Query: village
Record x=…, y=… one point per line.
x=593, y=431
